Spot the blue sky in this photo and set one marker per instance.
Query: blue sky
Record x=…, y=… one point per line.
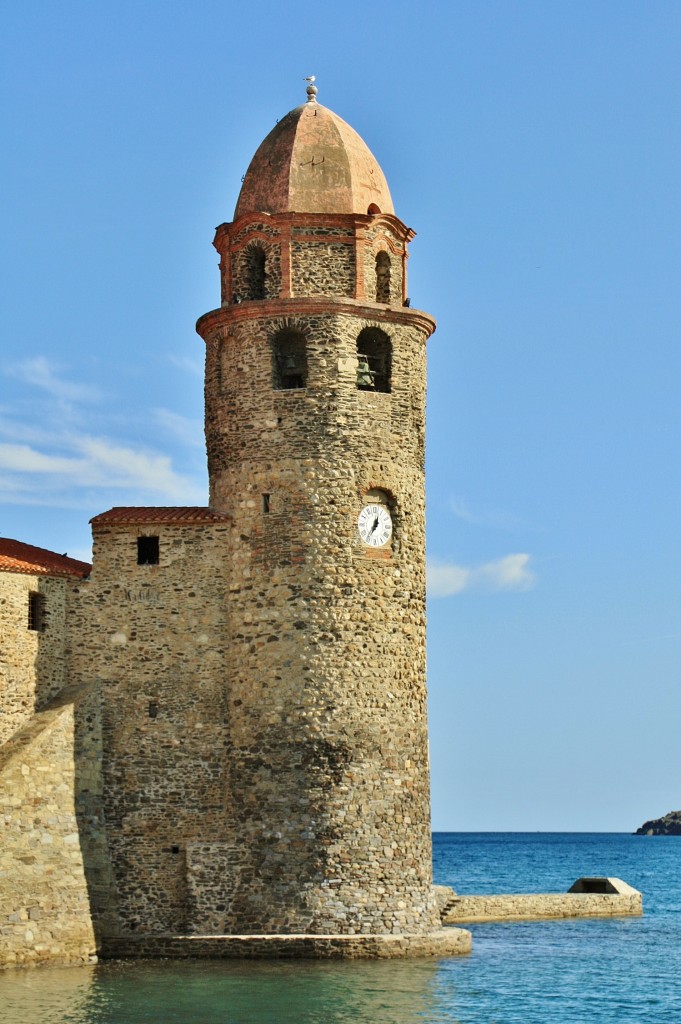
x=535, y=148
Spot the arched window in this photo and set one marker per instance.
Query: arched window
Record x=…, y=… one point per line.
x=374, y=352
x=289, y=359
x=382, y=277
x=255, y=272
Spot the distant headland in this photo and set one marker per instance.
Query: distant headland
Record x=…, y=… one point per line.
x=669, y=825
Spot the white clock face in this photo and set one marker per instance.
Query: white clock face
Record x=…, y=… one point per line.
x=375, y=525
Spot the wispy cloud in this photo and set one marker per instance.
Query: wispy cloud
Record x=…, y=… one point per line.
x=9, y=486
x=94, y=462
x=187, y=365
x=189, y=431
x=484, y=517
x=461, y=510
x=126, y=467
x=24, y=431
x=47, y=459
x=509, y=573
x=39, y=372
x=23, y=459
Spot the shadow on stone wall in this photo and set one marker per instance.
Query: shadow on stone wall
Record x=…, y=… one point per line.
x=56, y=892
x=89, y=809
x=55, y=689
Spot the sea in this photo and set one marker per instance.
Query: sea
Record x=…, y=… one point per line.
x=549, y=972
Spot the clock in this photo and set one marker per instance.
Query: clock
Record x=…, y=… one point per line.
x=375, y=525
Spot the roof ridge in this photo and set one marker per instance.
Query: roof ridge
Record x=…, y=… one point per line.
x=131, y=514
x=17, y=556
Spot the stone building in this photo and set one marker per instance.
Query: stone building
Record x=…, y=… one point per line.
x=221, y=729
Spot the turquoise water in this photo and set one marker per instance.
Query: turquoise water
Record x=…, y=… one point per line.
x=566, y=972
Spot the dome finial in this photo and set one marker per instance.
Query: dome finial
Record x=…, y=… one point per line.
x=311, y=89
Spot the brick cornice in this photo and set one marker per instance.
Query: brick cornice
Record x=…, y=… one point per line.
x=259, y=309
x=284, y=222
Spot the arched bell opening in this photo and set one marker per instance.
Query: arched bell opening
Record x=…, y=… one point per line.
x=289, y=360
x=374, y=359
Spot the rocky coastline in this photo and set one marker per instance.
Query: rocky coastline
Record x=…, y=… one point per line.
x=669, y=825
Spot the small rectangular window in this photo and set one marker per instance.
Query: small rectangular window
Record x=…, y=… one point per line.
x=147, y=550
x=265, y=502
x=36, y=612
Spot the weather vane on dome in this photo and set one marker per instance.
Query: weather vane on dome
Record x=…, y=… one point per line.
x=311, y=89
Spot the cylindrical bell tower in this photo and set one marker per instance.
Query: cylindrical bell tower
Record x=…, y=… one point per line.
x=315, y=416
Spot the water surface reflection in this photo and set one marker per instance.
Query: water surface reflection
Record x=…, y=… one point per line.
x=227, y=992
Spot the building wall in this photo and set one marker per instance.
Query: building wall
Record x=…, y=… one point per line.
x=55, y=879
x=44, y=892
x=151, y=639
x=535, y=906
x=312, y=254
x=250, y=754
x=32, y=666
x=330, y=780
x=322, y=266
x=246, y=418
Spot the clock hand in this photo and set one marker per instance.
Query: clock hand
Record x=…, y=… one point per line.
x=374, y=526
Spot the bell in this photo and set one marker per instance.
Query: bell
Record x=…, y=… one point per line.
x=290, y=363
x=365, y=376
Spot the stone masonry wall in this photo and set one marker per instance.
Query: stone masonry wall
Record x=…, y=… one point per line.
x=44, y=893
x=151, y=638
x=441, y=943
x=326, y=662
x=333, y=255
x=330, y=418
x=322, y=268
x=321, y=231
x=468, y=909
x=32, y=666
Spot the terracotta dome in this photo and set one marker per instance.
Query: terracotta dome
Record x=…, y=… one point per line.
x=313, y=162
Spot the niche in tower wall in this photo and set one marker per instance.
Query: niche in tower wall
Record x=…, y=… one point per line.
x=382, y=277
x=255, y=271
x=279, y=543
x=213, y=879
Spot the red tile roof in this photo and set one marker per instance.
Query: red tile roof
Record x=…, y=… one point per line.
x=169, y=514
x=18, y=557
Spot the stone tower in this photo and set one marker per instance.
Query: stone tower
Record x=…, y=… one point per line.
x=226, y=712
x=315, y=416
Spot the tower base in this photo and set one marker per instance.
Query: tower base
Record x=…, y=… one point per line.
x=444, y=942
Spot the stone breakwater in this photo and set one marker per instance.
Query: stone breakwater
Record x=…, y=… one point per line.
x=620, y=900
